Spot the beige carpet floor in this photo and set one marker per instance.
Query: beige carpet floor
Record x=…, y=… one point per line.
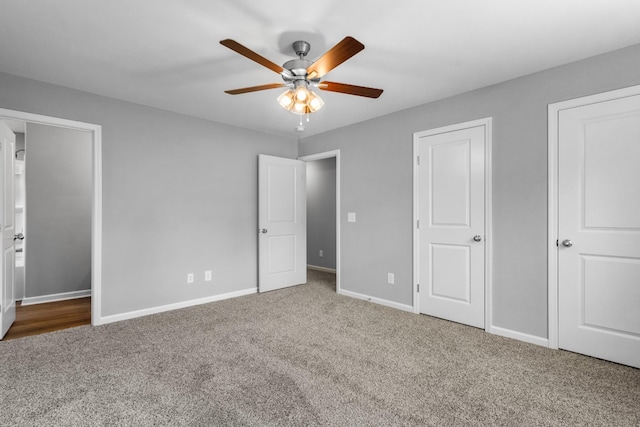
x=304, y=356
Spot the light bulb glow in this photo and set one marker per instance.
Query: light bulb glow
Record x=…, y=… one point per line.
x=301, y=93
x=299, y=107
x=285, y=100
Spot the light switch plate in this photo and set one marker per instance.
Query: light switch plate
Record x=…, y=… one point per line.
x=351, y=217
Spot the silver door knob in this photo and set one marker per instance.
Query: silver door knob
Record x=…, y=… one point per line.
x=263, y=230
x=568, y=243
x=477, y=238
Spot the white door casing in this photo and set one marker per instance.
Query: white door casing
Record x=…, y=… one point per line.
x=96, y=220
x=282, y=227
x=451, y=230
x=7, y=228
x=598, y=227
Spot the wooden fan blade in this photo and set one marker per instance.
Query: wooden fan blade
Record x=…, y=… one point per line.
x=245, y=51
x=255, y=88
x=334, y=57
x=368, y=92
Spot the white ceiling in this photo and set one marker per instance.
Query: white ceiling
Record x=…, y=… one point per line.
x=166, y=53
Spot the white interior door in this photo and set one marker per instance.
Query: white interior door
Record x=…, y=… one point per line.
x=7, y=227
x=451, y=244
x=599, y=230
x=282, y=228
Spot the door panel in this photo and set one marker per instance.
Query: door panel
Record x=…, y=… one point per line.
x=600, y=293
x=451, y=211
x=599, y=213
x=282, y=192
x=611, y=155
x=450, y=182
x=7, y=228
x=282, y=246
x=450, y=277
x=282, y=254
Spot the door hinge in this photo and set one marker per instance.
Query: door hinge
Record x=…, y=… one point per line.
x=418, y=287
x=557, y=242
x=418, y=224
x=418, y=160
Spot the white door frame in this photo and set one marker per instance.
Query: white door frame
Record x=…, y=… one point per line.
x=552, y=251
x=96, y=216
x=328, y=155
x=486, y=122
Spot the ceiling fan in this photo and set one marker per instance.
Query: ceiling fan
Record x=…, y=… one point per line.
x=299, y=74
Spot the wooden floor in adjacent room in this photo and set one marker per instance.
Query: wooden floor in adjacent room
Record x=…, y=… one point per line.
x=48, y=317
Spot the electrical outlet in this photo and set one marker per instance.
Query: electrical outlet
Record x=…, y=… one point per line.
x=391, y=278
x=190, y=278
x=321, y=253
x=207, y=276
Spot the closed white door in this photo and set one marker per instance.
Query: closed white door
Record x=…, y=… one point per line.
x=7, y=227
x=282, y=228
x=599, y=230
x=451, y=234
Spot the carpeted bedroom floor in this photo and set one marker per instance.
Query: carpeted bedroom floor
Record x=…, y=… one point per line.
x=303, y=356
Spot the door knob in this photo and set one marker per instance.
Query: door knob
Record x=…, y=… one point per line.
x=477, y=238
x=263, y=230
x=568, y=243
x=19, y=236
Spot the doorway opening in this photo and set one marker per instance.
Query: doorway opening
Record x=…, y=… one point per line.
x=89, y=136
x=323, y=212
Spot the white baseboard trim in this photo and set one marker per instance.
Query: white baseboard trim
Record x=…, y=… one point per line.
x=169, y=307
x=318, y=268
x=508, y=333
x=380, y=301
x=56, y=297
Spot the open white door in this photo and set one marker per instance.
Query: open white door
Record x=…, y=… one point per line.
x=7, y=227
x=282, y=228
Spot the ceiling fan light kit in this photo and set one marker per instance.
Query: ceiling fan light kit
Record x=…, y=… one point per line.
x=299, y=74
x=300, y=100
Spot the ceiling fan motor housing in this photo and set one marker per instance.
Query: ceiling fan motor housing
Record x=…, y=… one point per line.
x=298, y=67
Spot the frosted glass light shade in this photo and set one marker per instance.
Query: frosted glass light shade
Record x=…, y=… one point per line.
x=315, y=102
x=286, y=99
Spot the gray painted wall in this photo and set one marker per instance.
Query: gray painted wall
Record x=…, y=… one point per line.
x=179, y=195
x=321, y=212
x=58, y=191
x=376, y=183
